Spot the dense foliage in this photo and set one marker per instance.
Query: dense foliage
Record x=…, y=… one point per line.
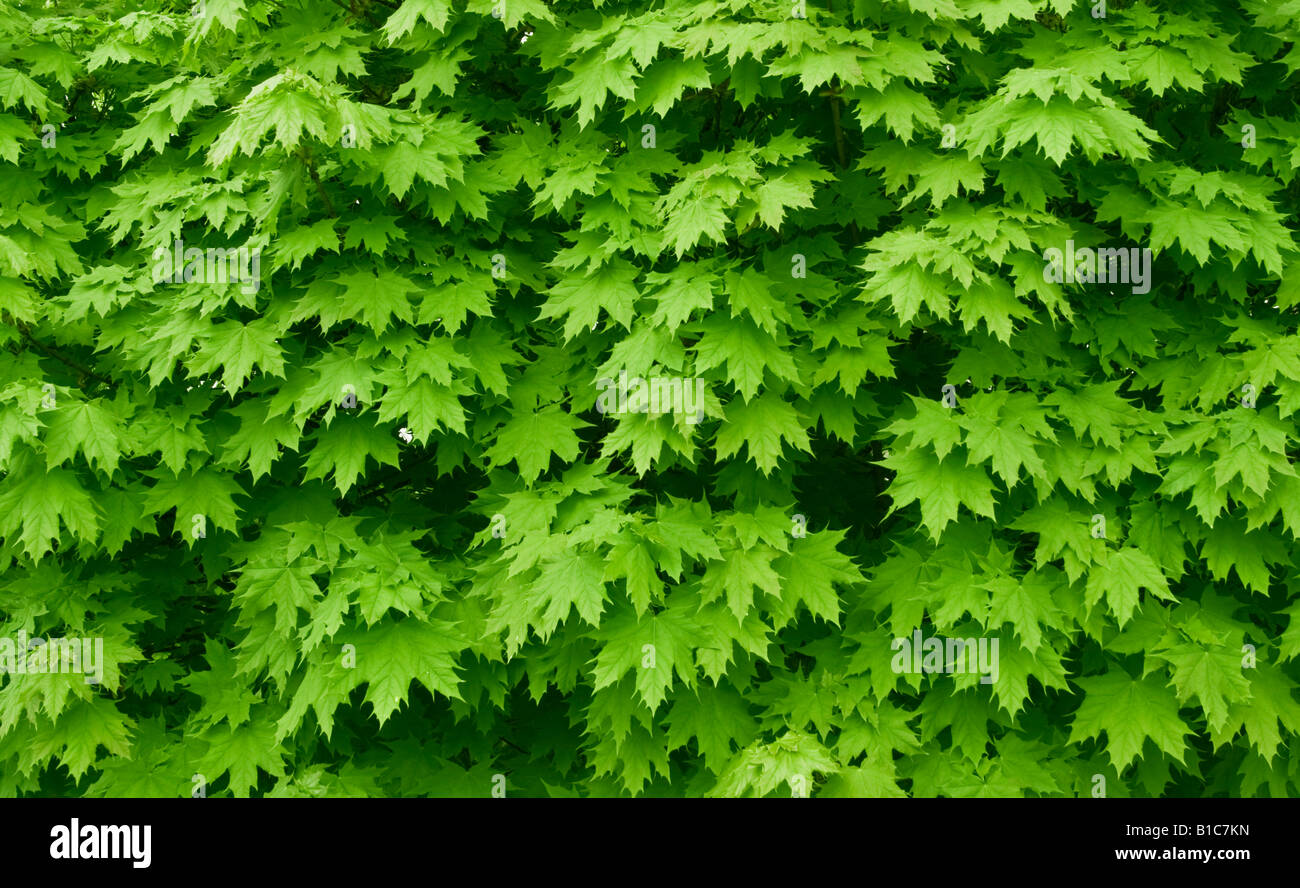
x=359, y=523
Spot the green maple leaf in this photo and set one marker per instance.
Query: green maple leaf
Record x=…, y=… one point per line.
x=1229, y=546
x=716, y=718
x=93, y=428
x=375, y=235
x=1289, y=640
x=1269, y=702
x=260, y=438
x=81, y=730
x=242, y=752
x=402, y=163
x=902, y=109
x=633, y=562
x=1096, y=409
x=811, y=570
x=651, y=647
x=206, y=492
x=223, y=696
x=1213, y=673
x=790, y=189
x=1194, y=229
x=343, y=448
x=1026, y=604
x=286, y=588
x=530, y=440
x=157, y=768
x=16, y=88
x=580, y=302
x=427, y=406
x=1130, y=712
x=174, y=434
x=738, y=574
x=682, y=292
x=376, y=299
x=933, y=424
x=439, y=71
x=593, y=77
x=411, y=12
x=870, y=780
x=1161, y=67
x=750, y=292
x=450, y=304
x=791, y=761
x=940, y=487
x=909, y=287
x=392, y=655
x=748, y=351
x=1016, y=665
x=325, y=686
x=763, y=425
x=568, y=580
x=37, y=502
x=1119, y=575
x=692, y=220
x=662, y=85
x=681, y=528
x=304, y=241
x=1009, y=449
x=237, y=348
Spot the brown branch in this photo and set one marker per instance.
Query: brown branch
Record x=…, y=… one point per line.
x=833, y=96
x=510, y=742
x=351, y=8
x=315, y=177
x=59, y=356
x=380, y=488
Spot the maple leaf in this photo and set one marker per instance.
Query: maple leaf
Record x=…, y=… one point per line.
x=37, y=503
x=789, y=762
x=532, y=438
x=1269, y=702
x=580, y=302
x=81, y=730
x=762, y=426
x=260, y=438
x=377, y=298
x=344, y=447
x=1130, y=712
x=223, y=697
x=1027, y=605
x=870, y=780
x=748, y=352
x=92, y=428
x=811, y=570
x=1212, y=673
x=237, y=348
x=411, y=12
x=716, y=718
x=392, y=655
x=593, y=77
x=739, y=573
x=933, y=424
x=242, y=752
x=939, y=487
x=652, y=647
x=1119, y=575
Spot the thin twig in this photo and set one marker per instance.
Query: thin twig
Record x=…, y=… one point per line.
x=58, y=356
x=315, y=177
